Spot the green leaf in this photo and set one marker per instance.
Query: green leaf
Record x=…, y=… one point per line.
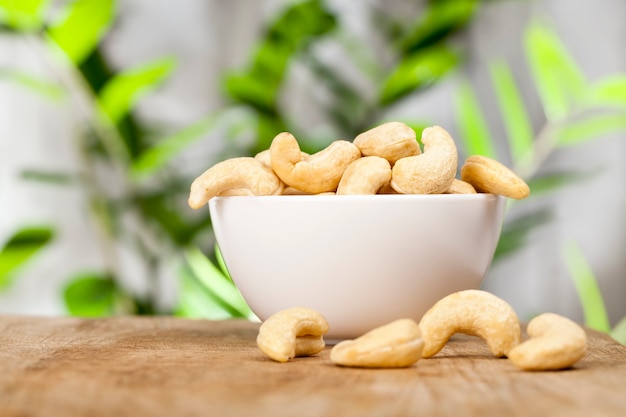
x=159, y=155
x=591, y=128
x=37, y=85
x=90, y=295
x=547, y=183
x=119, y=95
x=20, y=249
x=517, y=122
x=23, y=15
x=619, y=331
x=194, y=301
x=418, y=71
x=610, y=91
x=217, y=283
x=560, y=82
x=292, y=31
x=82, y=26
x=515, y=232
x=49, y=177
x=587, y=288
x=440, y=19
x=472, y=123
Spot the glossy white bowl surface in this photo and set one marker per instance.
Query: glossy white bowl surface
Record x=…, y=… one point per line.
x=362, y=261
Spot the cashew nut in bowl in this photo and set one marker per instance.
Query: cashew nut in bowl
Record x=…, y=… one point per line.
x=473, y=312
x=460, y=187
x=278, y=334
x=265, y=159
x=490, y=176
x=392, y=141
x=395, y=345
x=431, y=172
x=555, y=343
x=365, y=175
x=235, y=173
x=317, y=173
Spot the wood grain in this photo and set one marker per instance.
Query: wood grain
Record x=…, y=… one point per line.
x=163, y=366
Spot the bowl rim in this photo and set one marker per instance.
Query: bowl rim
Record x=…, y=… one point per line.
x=364, y=197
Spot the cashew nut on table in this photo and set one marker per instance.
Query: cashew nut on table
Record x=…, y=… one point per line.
x=293, y=332
x=555, y=343
x=474, y=312
x=395, y=345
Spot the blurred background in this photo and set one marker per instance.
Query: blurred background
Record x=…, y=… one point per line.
x=109, y=109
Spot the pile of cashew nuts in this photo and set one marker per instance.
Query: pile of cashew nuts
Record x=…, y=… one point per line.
x=554, y=342
x=384, y=160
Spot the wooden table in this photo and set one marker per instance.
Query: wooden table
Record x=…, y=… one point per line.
x=163, y=366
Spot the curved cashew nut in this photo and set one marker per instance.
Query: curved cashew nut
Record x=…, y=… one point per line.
x=460, y=187
x=394, y=345
x=317, y=173
x=392, y=141
x=473, y=312
x=365, y=175
x=431, y=172
x=555, y=343
x=278, y=335
x=490, y=176
x=235, y=173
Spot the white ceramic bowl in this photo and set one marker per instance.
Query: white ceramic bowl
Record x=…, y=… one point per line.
x=361, y=261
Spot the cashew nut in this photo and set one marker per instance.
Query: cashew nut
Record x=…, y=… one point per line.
x=490, y=176
x=555, y=343
x=365, y=176
x=265, y=159
x=460, y=187
x=431, y=172
x=278, y=335
x=473, y=312
x=309, y=345
x=392, y=141
x=394, y=345
x=317, y=173
x=241, y=173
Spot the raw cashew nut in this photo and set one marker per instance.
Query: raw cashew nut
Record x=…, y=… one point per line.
x=317, y=173
x=392, y=141
x=431, y=172
x=235, y=173
x=460, y=187
x=555, y=343
x=473, y=312
x=365, y=176
x=394, y=345
x=279, y=334
x=265, y=159
x=309, y=345
x=490, y=176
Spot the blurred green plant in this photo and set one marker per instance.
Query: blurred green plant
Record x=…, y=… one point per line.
x=20, y=249
x=576, y=111
x=137, y=160
x=586, y=284
x=423, y=51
